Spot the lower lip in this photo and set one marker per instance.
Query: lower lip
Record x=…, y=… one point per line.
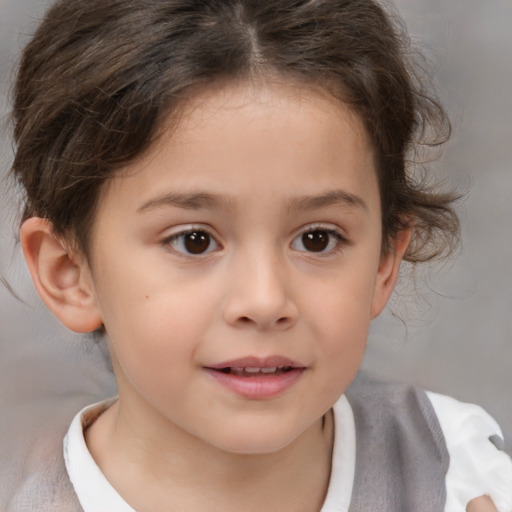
x=257, y=388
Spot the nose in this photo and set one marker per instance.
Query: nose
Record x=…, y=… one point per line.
x=260, y=294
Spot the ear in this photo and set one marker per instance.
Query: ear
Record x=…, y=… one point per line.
x=62, y=278
x=387, y=273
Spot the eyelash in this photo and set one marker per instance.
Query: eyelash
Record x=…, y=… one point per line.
x=173, y=240
x=340, y=240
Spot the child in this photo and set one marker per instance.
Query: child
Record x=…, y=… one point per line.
x=221, y=188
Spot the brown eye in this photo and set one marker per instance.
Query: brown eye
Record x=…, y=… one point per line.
x=315, y=241
x=194, y=242
x=318, y=241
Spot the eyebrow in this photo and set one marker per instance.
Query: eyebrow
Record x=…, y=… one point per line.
x=187, y=201
x=329, y=198
x=205, y=200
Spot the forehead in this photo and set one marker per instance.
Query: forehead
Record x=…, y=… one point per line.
x=252, y=140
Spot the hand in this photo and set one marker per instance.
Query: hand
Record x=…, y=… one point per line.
x=481, y=504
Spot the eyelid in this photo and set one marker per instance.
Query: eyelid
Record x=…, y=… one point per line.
x=185, y=229
x=320, y=226
x=331, y=229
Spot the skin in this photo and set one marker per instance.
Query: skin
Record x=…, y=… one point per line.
x=253, y=168
x=481, y=504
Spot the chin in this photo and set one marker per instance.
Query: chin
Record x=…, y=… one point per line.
x=256, y=440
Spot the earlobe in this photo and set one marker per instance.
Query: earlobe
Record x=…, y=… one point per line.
x=387, y=274
x=62, y=280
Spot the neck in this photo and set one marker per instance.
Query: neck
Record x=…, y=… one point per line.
x=164, y=468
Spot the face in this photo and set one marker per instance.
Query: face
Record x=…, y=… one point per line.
x=237, y=267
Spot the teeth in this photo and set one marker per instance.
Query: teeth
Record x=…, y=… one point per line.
x=254, y=370
x=250, y=369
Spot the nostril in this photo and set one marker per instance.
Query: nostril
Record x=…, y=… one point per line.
x=280, y=321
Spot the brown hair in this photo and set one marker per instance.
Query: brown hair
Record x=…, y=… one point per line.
x=100, y=76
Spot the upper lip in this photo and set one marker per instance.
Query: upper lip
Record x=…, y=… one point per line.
x=257, y=362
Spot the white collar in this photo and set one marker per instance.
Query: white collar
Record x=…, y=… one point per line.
x=96, y=494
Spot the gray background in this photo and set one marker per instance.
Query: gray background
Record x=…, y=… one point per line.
x=450, y=330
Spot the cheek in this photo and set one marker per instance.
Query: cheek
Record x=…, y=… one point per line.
x=340, y=346
x=343, y=334
x=151, y=326
x=340, y=316
x=145, y=299
x=152, y=348
x=155, y=329
x=344, y=302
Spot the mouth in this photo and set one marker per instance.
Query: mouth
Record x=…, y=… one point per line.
x=256, y=378
x=254, y=371
x=257, y=367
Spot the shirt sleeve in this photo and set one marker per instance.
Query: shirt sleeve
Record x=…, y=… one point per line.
x=477, y=464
